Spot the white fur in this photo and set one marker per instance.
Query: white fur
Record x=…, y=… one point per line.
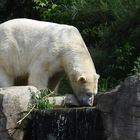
x=41, y=49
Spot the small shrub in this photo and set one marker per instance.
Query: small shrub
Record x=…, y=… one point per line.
x=105, y=84
x=136, y=69
x=40, y=100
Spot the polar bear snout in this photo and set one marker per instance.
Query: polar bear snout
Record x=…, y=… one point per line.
x=87, y=99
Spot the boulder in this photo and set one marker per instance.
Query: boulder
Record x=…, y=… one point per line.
x=120, y=110
x=14, y=101
x=14, y=105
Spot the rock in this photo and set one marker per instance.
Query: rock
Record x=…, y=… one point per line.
x=14, y=102
x=65, y=124
x=120, y=109
x=62, y=101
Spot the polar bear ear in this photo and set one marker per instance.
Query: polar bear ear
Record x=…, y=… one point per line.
x=81, y=79
x=97, y=76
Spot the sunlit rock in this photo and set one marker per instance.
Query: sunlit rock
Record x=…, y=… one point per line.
x=14, y=102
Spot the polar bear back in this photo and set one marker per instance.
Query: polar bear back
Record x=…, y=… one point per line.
x=27, y=32
x=25, y=41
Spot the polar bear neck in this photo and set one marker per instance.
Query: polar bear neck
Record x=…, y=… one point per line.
x=78, y=63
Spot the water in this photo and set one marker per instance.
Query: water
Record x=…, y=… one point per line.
x=65, y=124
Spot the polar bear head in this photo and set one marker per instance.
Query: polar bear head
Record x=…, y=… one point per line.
x=85, y=88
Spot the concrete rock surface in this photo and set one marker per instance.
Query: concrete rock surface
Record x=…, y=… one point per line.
x=14, y=102
x=120, y=109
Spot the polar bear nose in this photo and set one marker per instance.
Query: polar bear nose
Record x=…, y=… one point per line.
x=87, y=99
x=90, y=98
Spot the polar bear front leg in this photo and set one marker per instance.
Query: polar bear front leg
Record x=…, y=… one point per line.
x=5, y=79
x=38, y=79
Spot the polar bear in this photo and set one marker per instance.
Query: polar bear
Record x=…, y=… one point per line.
x=42, y=50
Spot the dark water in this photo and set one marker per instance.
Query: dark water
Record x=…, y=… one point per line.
x=65, y=124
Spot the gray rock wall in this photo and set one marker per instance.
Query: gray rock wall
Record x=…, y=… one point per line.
x=14, y=102
x=65, y=124
x=120, y=109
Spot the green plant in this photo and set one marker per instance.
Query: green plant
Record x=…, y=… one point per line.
x=121, y=61
x=120, y=40
x=40, y=99
x=51, y=10
x=136, y=69
x=105, y=84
